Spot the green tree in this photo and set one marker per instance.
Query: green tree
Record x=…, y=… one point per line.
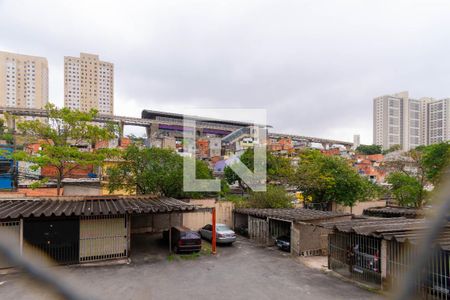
x=393, y=148
x=331, y=178
x=136, y=139
x=153, y=171
x=279, y=169
x=59, y=136
x=274, y=197
x=424, y=164
x=6, y=134
x=369, y=149
x=407, y=190
x=434, y=160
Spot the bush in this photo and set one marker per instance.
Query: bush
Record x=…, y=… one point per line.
x=274, y=197
x=406, y=189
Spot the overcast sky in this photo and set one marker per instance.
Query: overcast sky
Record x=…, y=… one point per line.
x=314, y=65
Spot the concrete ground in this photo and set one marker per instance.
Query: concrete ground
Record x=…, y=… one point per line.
x=241, y=271
x=314, y=262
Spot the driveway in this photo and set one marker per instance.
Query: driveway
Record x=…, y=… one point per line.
x=242, y=271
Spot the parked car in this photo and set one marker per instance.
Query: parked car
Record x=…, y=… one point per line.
x=184, y=239
x=283, y=242
x=242, y=230
x=224, y=235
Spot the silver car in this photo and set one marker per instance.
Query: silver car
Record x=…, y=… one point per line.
x=224, y=235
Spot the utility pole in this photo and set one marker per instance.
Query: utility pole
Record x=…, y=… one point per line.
x=213, y=238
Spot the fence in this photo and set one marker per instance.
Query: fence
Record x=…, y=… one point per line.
x=433, y=283
x=355, y=256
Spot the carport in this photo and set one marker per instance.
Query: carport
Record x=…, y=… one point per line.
x=265, y=225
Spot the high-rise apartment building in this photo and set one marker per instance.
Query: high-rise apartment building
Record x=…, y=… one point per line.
x=400, y=120
x=388, y=117
x=23, y=80
x=438, y=121
x=88, y=83
x=356, y=141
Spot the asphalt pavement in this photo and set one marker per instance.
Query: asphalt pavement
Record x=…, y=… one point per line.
x=241, y=271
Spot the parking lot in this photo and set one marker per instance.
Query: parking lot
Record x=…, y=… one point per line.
x=241, y=271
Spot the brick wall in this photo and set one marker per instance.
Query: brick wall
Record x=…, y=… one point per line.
x=78, y=172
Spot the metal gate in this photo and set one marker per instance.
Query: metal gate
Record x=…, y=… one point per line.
x=103, y=237
x=12, y=230
x=54, y=238
x=355, y=256
x=435, y=281
x=258, y=229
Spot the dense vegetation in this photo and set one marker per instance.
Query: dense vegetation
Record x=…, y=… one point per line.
x=153, y=171
x=414, y=170
x=279, y=169
x=57, y=137
x=369, y=149
x=331, y=178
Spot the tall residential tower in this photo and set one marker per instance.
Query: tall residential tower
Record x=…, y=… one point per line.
x=23, y=80
x=400, y=120
x=88, y=83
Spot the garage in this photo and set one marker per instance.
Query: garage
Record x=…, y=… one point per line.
x=299, y=224
x=71, y=230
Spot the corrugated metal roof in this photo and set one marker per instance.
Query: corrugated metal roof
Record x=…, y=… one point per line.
x=401, y=230
x=395, y=212
x=88, y=206
x=370, y=226
x=291, y=214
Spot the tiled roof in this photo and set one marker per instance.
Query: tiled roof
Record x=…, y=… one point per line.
x=291, y=214
x=89, y=206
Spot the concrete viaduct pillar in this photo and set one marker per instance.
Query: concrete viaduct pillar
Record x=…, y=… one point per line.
x=11, y=123
x=151, y=130
x=148, y=130
x=326, y=146
x=348, y=147
x=121, y=128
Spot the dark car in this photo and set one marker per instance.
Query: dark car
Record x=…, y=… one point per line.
x=284, y=242
x=184, y=239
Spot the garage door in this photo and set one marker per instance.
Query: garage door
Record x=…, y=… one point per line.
x=57, y=239
x=103, y=237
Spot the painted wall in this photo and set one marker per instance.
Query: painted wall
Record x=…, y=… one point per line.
x=311, y=239
x=82, y=189
x=359, y=207
x=153, y=223
x=196, y=220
